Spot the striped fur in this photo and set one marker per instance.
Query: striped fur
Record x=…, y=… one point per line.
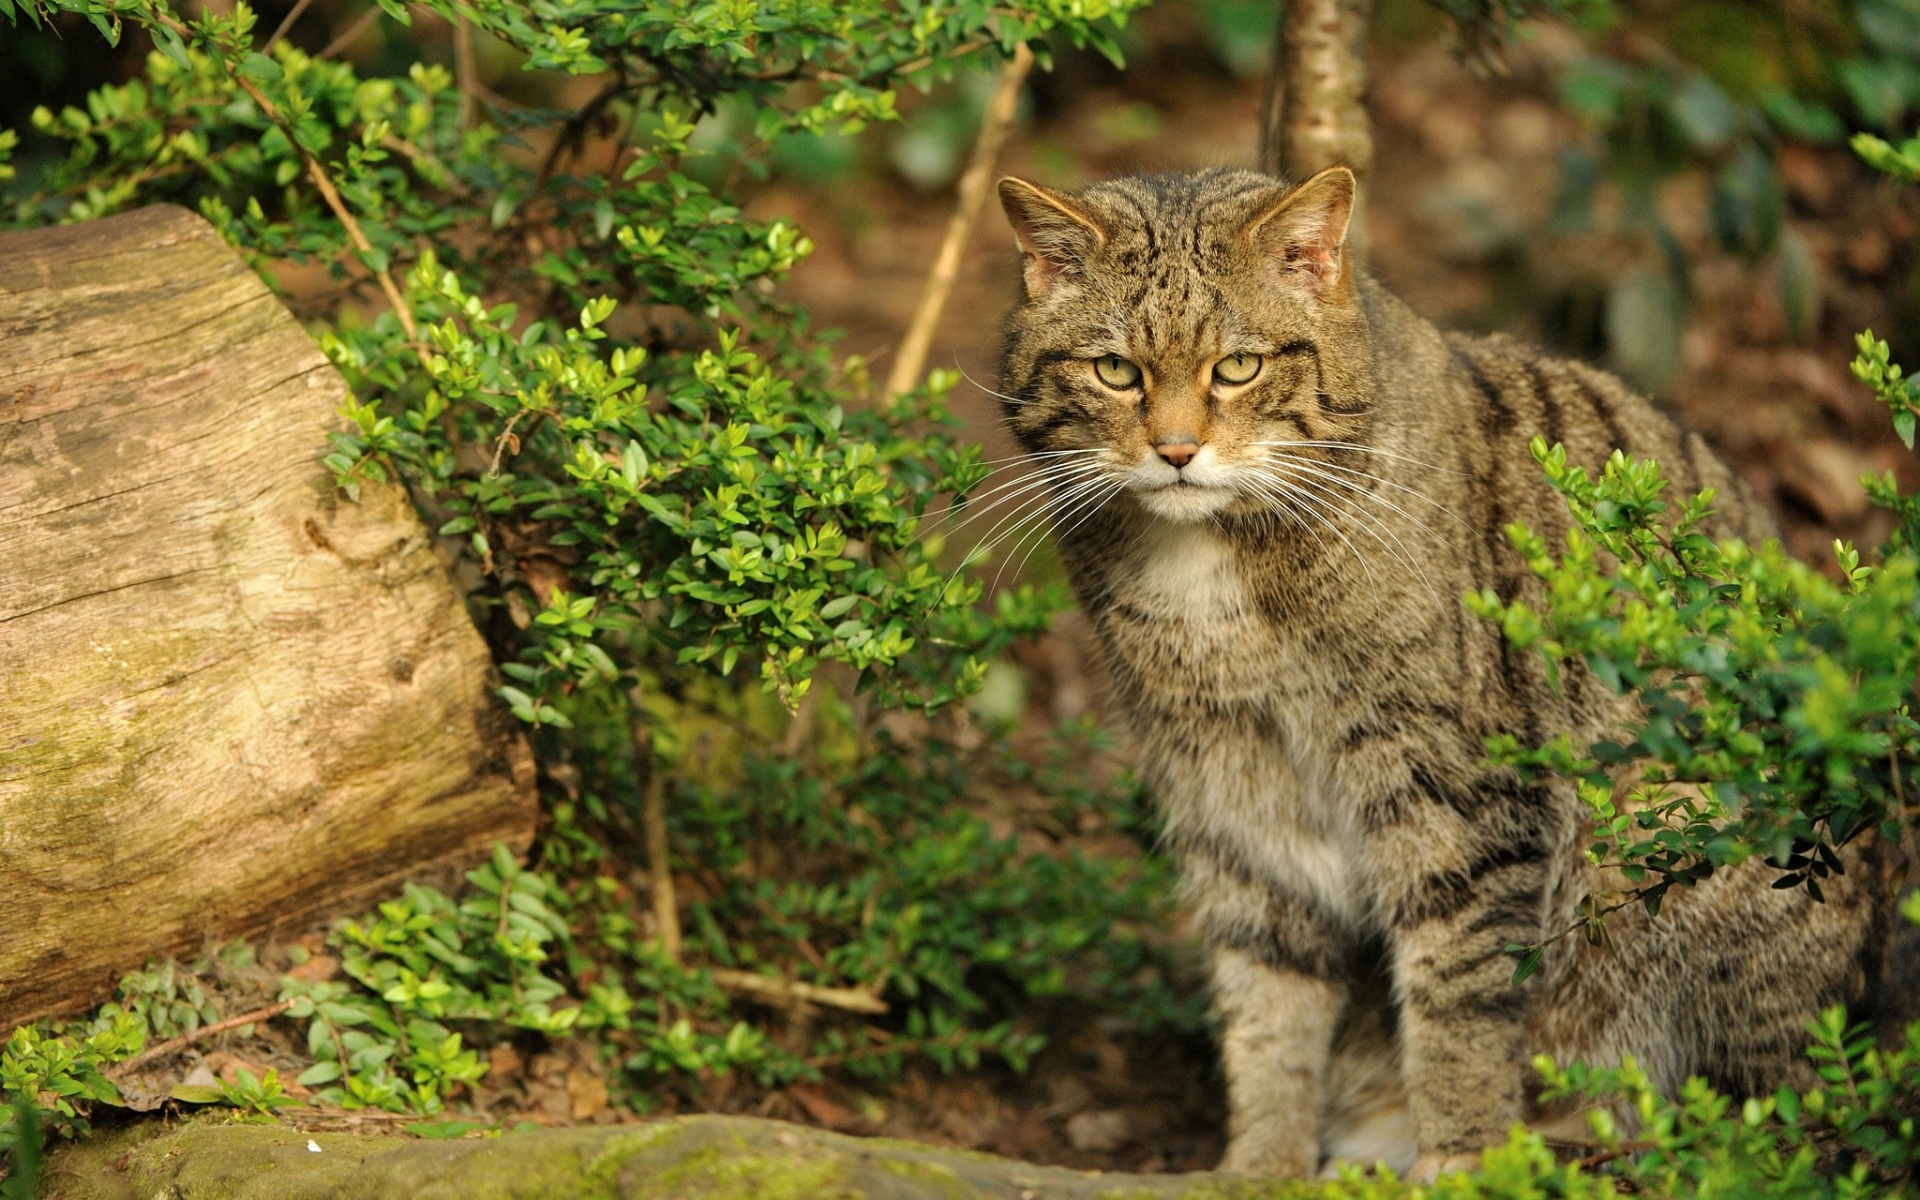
x=1311, y=701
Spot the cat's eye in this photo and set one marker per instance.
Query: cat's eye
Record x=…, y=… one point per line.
x=1237, y=368
x=1116, y=372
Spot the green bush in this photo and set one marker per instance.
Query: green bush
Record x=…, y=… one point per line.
x=1777, y=700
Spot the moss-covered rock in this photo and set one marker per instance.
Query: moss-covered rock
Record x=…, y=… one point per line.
x=684, y=1158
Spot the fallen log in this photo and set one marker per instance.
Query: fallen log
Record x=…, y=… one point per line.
x=688, y=1158
x=230, y=699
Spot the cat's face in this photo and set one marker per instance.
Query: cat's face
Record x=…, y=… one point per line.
x=1177, y=334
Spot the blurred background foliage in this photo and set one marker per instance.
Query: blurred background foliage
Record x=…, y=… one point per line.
x=1661, y=185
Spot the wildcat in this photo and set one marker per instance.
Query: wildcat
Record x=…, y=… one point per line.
x=1273, y=483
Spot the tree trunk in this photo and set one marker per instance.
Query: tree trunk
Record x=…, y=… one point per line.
x=229, y=699
x=1316, y=99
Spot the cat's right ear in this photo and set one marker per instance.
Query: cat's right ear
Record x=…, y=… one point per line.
x=1303, y=231
x=1054, y=236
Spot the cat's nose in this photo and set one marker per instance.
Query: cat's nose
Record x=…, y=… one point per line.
x=1177, y=449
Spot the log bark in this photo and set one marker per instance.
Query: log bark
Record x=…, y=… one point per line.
x=229, y=698
x=709, y=1157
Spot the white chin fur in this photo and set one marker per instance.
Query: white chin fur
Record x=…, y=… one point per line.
x=1185, y=503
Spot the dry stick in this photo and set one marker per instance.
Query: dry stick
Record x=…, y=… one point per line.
x=205, y=1031
x=360, y=242
x=973, y=192
x=792, y=993
x=463, y=69
x=1623, y=1150
x=286, y=24
x=666, y=910
x=328, y=192
x=331, y=195
x=351, y=33
x=653, y=823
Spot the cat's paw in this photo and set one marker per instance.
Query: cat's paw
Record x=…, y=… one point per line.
x=1272, y=1157
x=1429, y=1167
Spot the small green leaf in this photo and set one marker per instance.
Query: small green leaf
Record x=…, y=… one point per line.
x=259, y=66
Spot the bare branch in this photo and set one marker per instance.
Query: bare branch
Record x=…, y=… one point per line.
x=791, y=993
x=286, y=24
x=994, y=127
x=352, y=33
x=177, y=1044
x=464, y=73
x=653, y=823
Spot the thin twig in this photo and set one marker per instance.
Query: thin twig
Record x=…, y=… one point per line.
x=973, y=191
x=351, y=33
x=359, y=239
x=286, y=24
x=507, y=437
x=463, y=69
x=791, y=993
x=421, y=158
x=1623, y=1150
x=173, y=1045
x=572, y=134
x=331, y=195
x=653, y=822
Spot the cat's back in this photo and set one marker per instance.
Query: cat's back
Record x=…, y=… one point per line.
x=1516, y=391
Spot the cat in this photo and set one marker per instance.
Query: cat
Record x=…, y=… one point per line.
x=1272, y=485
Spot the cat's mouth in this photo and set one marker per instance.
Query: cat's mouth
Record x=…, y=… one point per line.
x=1192, y=492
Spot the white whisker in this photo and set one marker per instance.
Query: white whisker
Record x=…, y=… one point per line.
x=1379, y=479
x=1319, y=505
x=1315, y=470
x=985, y=547
x=1278, y=502
x=1372, y=526
x=1012, y=490
x=983, y=387
x=1092, y=505
x=1318, y=445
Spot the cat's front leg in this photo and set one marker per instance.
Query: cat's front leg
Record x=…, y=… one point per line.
x=1463, y=1023
x=1276, y=1038
x=1279, y=997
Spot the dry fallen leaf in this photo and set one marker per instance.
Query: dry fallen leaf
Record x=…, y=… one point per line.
x=818, y=1105
x=587, y=1093
x=321, y=968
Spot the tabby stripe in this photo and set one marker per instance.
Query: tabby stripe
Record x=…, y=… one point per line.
x=1391, y=717
x=1143, y=223
x=1550, y=415
x=1468, y=966
x=1597, y=400
x=1503, y=419
x=1445, y=895
x=1052, y=423
x=1504, y=1003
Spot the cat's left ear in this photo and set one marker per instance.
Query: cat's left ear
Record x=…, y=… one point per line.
x=1305, y=229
